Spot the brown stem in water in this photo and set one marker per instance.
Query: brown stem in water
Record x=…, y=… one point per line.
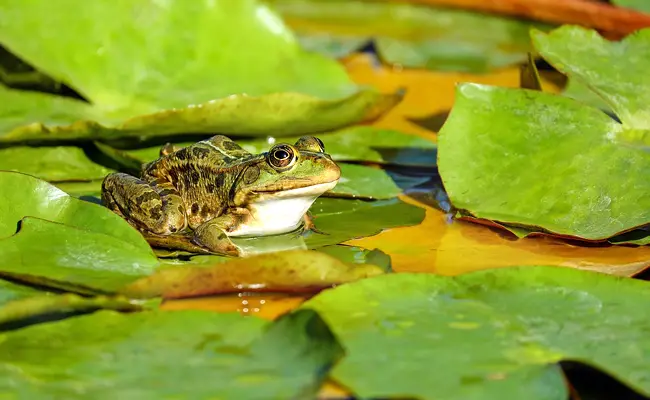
x=614, y=22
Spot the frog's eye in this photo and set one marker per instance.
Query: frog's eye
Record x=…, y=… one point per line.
x=282, y=156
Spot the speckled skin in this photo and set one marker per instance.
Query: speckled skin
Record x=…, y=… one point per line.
x=207, y=187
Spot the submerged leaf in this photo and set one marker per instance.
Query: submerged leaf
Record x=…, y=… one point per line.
x=144, y=82
x=288, y=271
x=340, y=220
x=115, y=355
x=410, y=35
x=544, y=155
x=492, y=334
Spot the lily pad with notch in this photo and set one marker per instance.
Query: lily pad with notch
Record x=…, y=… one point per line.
x=232, y=356
x=510, y=326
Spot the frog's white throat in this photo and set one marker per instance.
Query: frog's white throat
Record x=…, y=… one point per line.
x=281, y=212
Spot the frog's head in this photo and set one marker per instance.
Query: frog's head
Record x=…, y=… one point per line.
x=302, y=170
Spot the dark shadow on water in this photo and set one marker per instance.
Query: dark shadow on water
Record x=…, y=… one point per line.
x=593, y=384
x=431, y=122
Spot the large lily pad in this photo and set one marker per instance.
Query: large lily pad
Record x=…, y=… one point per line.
x=492, y=334
x=142, y=81
x=58, y=163
x=617, y=71
x=410, y=35
x=114, y=355
x=544, y=154
x=297, y=271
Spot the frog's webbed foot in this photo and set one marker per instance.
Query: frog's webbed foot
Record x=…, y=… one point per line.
x=309, y=224
x=212, y=235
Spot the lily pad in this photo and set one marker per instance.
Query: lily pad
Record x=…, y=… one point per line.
x=410, y=35
x=226, y=356
x=296, y=271
x=544, y=153
x=59, y=163
x=494, y=334
x=144, y=82
x=42, y=308
x=12, y=292
x=71, y=258
x=66, y=242
x=617, y=71
x=340, y=220
x=25, y=195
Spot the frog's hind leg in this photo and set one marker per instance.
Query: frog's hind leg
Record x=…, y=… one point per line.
x=156, y=207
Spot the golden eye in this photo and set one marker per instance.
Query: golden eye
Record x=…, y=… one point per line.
x=282, y=156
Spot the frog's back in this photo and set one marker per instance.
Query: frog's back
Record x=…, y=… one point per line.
x=203, y=173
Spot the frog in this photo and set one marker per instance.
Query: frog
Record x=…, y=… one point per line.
x=214, y=190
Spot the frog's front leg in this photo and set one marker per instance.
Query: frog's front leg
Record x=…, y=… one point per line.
x=153, y=206
x=213, y=235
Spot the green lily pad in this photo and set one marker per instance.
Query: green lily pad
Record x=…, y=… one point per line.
x=71, y=258
x=640, y=5
x=112, y=355
x=340, y=220
x=410, y=35
x=60, y=163
x=493, y=334
x=584, y=94
x=65, y=242
x=29, y=196
x=12, y=292
x=144, y=82
x=617, y=71
x=545, y=156
x=297, y=271
x=42, y=308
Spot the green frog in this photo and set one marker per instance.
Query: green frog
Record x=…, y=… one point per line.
x=215, y=190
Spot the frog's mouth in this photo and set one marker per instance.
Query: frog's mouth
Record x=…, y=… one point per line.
x=305, y=191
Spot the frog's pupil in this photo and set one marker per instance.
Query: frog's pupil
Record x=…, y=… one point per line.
x=281, y=155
